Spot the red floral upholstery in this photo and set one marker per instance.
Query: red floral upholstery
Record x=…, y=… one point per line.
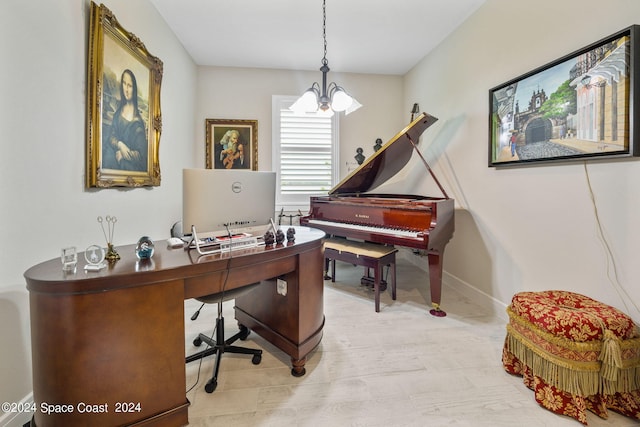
x=575, y=353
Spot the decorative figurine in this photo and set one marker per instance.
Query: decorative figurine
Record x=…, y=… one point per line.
x=269, y=238
x=378, y=144
x=359, y=156
x=279, y=236
x=291, y=234
x=112, y=255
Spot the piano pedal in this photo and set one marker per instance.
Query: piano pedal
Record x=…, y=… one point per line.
x=369, y=282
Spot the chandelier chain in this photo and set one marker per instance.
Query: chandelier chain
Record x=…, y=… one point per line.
x=324, y=31
x=322, y=97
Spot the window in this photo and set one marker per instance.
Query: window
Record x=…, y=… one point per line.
x=305, y=154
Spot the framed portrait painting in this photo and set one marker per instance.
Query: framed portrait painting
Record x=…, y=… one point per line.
x=231, y=144
x=124, y=122
x=581, y=106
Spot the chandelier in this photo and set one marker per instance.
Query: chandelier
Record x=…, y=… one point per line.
x=325, y=98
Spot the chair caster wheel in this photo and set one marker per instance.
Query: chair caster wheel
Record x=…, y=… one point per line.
x=197, y=342
x=256, y=359
x=211, y=386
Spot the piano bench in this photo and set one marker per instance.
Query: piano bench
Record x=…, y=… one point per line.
x=369, y=255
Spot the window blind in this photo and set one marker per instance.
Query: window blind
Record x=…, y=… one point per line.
x=305, y=154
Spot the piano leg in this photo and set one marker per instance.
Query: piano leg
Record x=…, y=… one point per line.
x=435, y=282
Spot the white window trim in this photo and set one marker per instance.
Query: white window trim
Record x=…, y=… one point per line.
x=301, y=203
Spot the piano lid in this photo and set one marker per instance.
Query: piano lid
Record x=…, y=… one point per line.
x=387, y=161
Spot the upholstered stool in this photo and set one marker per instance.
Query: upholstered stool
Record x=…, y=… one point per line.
x=575, y=353
x=369, y=255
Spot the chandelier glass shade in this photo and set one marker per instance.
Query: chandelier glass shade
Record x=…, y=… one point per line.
x=326, y=98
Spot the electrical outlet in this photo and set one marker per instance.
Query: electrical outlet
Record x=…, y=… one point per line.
x=281, y=287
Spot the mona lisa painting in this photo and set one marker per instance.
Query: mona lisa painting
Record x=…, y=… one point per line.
x=123, y=106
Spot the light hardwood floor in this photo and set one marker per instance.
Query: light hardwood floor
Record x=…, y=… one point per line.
x=399, y=367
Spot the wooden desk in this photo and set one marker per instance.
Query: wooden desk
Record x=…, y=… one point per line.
x=112, y=342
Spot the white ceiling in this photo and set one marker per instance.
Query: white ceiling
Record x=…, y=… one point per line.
x=363, y=36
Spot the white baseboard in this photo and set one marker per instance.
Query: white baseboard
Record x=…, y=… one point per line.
x=467, y=289
x=486, y=300
x=18, y=419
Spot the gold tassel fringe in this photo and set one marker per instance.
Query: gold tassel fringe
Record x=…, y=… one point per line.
x=580, y=368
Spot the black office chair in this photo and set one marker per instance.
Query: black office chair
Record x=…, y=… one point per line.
x=219, y=345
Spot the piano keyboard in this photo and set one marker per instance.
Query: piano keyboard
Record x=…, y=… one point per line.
x=367, y=228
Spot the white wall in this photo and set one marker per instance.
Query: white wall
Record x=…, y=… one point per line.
x=528, y=228
x=240, y=93
x=45, y=207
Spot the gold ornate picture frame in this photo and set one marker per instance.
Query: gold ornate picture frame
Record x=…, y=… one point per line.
x=231, y=144
x=124, y=122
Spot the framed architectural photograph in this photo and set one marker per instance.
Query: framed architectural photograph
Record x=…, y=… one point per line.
x=231, y=144
x=579, y=107
x=123, y=106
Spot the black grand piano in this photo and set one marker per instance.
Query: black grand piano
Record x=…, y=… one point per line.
x=423, y=223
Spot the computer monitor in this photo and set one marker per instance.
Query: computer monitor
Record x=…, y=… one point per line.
x=217, y=201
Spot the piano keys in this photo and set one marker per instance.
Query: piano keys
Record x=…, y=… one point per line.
x=422, y=223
